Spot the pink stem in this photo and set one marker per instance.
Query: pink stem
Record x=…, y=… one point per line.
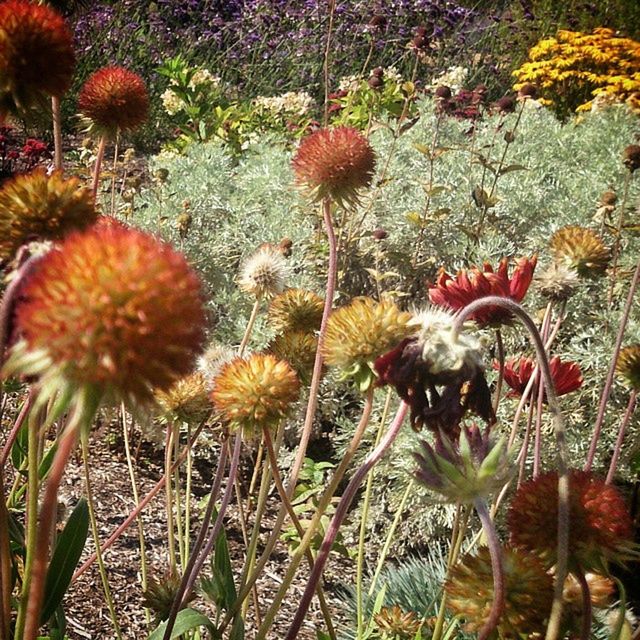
x=95, y=182
x=620, y=439
x=15, y=430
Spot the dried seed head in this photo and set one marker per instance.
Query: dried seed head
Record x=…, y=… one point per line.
x=581, y=249
x=394, y=622
x=631, y=157
x=528, y=90
x=298, y=348
x=211, y=361
x=187, y=399
x=558, y=282
x=628, y=366
x=296, y=310
x=264, y=273
x=608, y=199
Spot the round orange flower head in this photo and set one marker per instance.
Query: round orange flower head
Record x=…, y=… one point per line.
x=468, y=285
x=335, y=163
x=528, y=590
x=581, y=249
x=113, y=99
x=36, y=55
x=254, y=393
x=112, y=310
x=601, y=528
x=36, y=206
x=628, y=366
x=296, y=310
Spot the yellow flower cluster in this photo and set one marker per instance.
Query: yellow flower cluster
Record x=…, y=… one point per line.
x=577, y=71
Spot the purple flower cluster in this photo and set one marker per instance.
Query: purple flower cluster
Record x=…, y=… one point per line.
x=17, y=156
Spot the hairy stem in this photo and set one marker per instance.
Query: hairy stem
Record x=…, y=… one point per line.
x=97, y=167
x=620, y=439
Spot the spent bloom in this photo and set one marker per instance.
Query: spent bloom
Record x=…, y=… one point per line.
x=631, y=157
x=628, y=366
x=528, y=593
x=113, y=99
x=263, y=274
x=394, y=622
x=468, y=285
x=335, y=163
x=254, y=393
x=581, y=249
x=36, y=54
x=601, y=527
x=567, y=376
x=439, y=373
x=187, y=399
x=296, y=310
x=558, y=282
x=298, y=348
x=211, y=361
x=36, y=206
x=360, y=332
x=112, y=309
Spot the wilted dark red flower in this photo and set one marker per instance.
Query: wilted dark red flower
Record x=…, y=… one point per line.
x=567, y=376
x=115, y=310
x=506, y=104
x=443, y=92
x=375, y=82
x=335, y=163
x=36, y=54
x=528, y=90
x=600, y=530
x=471, y=284
x=631, y=157
x=114, y=99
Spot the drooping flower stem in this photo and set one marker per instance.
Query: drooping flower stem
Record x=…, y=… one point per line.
x=192, y=565
x=97, y=167
x=81, y=416
x=615, y=253
x=587, y=614
x=497, y=568
x=96, y=536
x=273, y=461
x=621, y=433
x=555, y=618
x=298, y=555
x=606, y=391
x=537, y=458
x=338, y=517
x=57, y=132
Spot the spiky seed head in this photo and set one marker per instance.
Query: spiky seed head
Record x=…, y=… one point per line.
x=187, y=399
x=296, y=310
x=396, y=624
x=601, y=528
x=114, y=309
x=113, y=99
x=254, y=393
x=36, y=206
x=558, y=282
x=601, y=591
x=528, y=591
x=335, y=163
x=211, y=361
x=264, y=273
x=298, y=348
x=160, y=594
x=36, y=55
x=628, y=366
x=581, y=249
x=360, y=332
x=631, y=157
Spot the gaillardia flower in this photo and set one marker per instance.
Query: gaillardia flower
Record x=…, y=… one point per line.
x=335, y=163
x=298, y=348
x=296, y=310
x=254, y=393
x=600, y=531
x=36, y=206
x=628, y=366
x=264, y=273
x=567, y=376
x=470, y=284
x=36, y=55
x=438, y=373
x=360, y=332
x=558, y=282
x=113, y=99
x=528, y=593
x=581, y=249
x=393, y=622
x=187, y=399
x=112, y=309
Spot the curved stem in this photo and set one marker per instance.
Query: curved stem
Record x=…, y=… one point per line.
x=95, y=182
x=15, y=430
x=606, y=391
x=338, y=517
x=587, y=614
x=555, y=619
x=620, y=439
x=96, y=538
x=202, y=534
x=273, y=461
x=495, y=551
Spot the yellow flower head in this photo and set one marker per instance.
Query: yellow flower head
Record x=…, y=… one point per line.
x=581, y=249
x=296, y=310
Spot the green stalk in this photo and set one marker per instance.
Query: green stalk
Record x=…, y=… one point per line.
x=177, y=493
x=187, y=501
x=171, y=540
x=249, y=328
x=96, y=537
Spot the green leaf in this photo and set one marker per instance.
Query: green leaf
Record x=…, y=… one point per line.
x=237, y=631
x=19, y=448
x=321, y=635
x=510, y=168
x=65, y=557
x=186, y=620
x=222, y=570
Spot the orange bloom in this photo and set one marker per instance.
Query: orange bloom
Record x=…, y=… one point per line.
x=471, y=284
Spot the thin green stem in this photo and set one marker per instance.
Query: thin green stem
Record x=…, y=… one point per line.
x=177, y=493
x=96, y=537
x=249, y=328
x=168, y=492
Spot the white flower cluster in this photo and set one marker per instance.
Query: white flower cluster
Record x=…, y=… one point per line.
x=292, y=103
x=392, y=74
x=204, y=77
x=350, y=83
x=172, y=102
x=453, y=78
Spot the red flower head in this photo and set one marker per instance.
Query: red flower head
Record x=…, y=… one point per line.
x=112, y=309
x=36, y=54
x=601, y=528
x=114, y=99
x=335, y=163
x=471, y=284
x=567, y=376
